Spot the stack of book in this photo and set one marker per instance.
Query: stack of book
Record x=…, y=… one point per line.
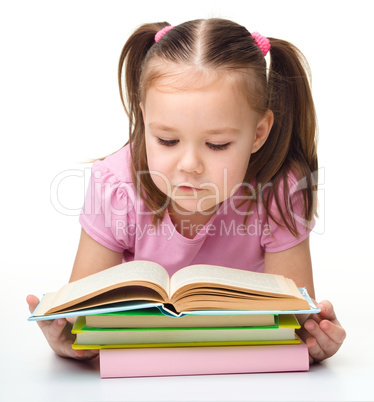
x=232, y=321
x=145, y=342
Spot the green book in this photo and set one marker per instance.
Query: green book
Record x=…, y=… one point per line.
x=154, y=318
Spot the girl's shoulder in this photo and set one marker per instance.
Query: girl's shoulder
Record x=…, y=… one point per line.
x=115, y=167
x=283, y=188
x=109, y=206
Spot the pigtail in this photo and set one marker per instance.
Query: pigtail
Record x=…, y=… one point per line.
x=134, y=54
x=291, y=99
x=131, y=60
x=291, y=146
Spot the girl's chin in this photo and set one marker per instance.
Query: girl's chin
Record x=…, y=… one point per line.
x=187, y=209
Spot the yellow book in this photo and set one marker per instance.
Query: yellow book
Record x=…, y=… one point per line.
x=285, y=331
x=183, y=344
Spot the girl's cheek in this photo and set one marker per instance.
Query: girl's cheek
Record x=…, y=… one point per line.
x=161, y=181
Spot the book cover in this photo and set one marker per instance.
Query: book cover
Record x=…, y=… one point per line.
x=147, y=362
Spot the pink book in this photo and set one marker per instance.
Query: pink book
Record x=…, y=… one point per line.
x=146, y=362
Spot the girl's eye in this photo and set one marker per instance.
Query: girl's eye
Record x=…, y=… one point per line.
x=218, y=147
x=167, y=143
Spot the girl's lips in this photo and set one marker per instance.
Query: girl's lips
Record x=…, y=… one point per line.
x=188, y=189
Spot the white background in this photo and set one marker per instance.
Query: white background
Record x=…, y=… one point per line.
x=60, y=107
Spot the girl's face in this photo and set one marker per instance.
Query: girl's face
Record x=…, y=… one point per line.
x=199, y=142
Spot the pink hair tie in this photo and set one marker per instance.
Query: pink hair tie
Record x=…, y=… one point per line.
x=162, y=32
x=262, y=42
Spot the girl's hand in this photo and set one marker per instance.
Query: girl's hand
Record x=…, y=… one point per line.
x=59, y=336
x=327, y=335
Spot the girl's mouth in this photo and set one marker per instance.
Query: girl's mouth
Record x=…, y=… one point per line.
x=189, y=189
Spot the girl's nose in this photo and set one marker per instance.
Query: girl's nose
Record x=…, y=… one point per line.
x=190, y=161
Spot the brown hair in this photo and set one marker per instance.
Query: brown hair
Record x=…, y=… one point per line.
x=224, y=48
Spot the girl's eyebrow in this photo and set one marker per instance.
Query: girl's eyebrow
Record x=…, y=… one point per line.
x=224, y=130
x=160, y=126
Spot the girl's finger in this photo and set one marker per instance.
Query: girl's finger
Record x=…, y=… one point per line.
x=328, y=345
x=85, y=354
x=32, y=301
x=53, y=331
x=334, y=331
x=316, y=353
x=324, y=341
x=327, y=310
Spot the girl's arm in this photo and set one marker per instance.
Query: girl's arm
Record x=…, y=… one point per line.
x=91, y=257
x=322, y=332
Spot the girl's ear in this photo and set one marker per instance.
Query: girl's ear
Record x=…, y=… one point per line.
x=263, y=130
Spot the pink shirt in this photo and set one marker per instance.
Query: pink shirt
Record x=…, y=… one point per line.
x=117, y=218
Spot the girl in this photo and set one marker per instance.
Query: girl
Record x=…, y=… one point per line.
x=220, y=167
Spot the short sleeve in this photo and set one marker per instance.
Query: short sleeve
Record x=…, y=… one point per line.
x=275, y=234
x=108, y=211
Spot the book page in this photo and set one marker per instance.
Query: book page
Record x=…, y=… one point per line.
x=134, y=271
x=229, y=276
x=44, y=305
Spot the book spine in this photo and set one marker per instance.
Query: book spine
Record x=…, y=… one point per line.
x=202, y=360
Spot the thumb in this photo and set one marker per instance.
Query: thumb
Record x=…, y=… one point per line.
x=32, y=301
x=327, y=310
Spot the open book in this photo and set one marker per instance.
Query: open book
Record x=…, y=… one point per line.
x=197, y=287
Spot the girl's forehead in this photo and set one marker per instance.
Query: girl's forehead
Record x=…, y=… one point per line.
x=182, y=77
x=211, y=102
x=173, y=78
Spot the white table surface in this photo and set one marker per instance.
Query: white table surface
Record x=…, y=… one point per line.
x=30, y=371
